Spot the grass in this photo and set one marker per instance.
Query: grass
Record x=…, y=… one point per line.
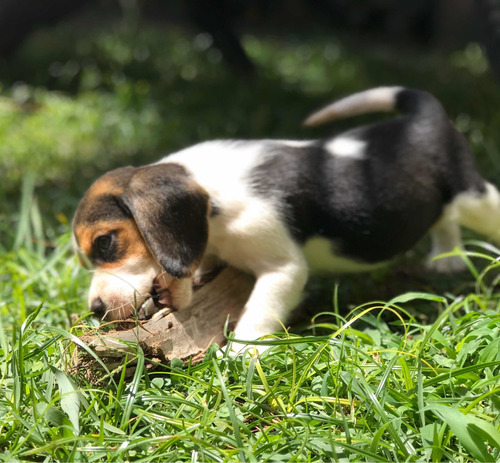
x=400, y=391
x=374, y=382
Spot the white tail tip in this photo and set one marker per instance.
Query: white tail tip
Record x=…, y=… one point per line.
x=373, y=100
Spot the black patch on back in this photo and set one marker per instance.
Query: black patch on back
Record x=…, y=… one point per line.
x=419, y=103
x=375, y=208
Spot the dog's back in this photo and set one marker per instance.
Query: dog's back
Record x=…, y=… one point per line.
x=373, y=190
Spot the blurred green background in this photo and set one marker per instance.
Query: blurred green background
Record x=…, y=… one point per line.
x=117, y=83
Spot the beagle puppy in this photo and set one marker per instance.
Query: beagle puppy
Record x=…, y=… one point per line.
x=282, y=209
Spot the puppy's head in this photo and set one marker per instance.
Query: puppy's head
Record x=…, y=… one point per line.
x=143, y=231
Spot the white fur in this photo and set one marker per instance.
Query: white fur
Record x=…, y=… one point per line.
x=220, y=167
x=478, y=212
x=321, y=258
x=375, y=99
x=294, y=143
x=344, y=147
x=125, y=288
x=446, y=236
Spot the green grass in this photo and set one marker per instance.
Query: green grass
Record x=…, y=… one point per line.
x=403, y=391
x=416, y=378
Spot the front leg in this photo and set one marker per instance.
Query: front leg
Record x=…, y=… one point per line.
x=276, y=292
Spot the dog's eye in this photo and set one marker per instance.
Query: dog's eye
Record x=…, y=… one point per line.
x=103, y=243
x=105, y=248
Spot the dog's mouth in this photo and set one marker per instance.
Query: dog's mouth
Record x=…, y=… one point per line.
x=159, y=298
x=162, y=297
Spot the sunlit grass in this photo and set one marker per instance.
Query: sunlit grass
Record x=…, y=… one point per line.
x=383, y=393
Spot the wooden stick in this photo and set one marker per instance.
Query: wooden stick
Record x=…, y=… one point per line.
x=182, y=334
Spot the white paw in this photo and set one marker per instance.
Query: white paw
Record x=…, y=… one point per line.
x=452, y=264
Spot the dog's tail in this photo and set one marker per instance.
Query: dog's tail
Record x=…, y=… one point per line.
x=384, y=99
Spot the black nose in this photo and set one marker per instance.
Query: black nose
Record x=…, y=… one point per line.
x=98, y=307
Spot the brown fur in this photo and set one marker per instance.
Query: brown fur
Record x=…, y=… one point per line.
x=128, y=235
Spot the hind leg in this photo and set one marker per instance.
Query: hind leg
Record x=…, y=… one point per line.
x=480, y=212
x=446, y=236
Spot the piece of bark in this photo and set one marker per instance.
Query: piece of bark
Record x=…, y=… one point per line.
x=184, y=334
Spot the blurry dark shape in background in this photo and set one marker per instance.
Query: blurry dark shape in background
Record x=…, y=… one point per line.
x=441, y=23
x=488, y=21
x=218, y=17
x=19, y=18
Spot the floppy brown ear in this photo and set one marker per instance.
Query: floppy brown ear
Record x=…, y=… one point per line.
x=171, y=211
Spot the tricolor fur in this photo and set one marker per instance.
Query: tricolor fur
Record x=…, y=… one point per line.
x=282, y=209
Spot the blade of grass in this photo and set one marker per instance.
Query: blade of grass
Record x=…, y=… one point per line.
x=23, y=233
x=472, y=432
x=133, y=388
x=232, y=416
